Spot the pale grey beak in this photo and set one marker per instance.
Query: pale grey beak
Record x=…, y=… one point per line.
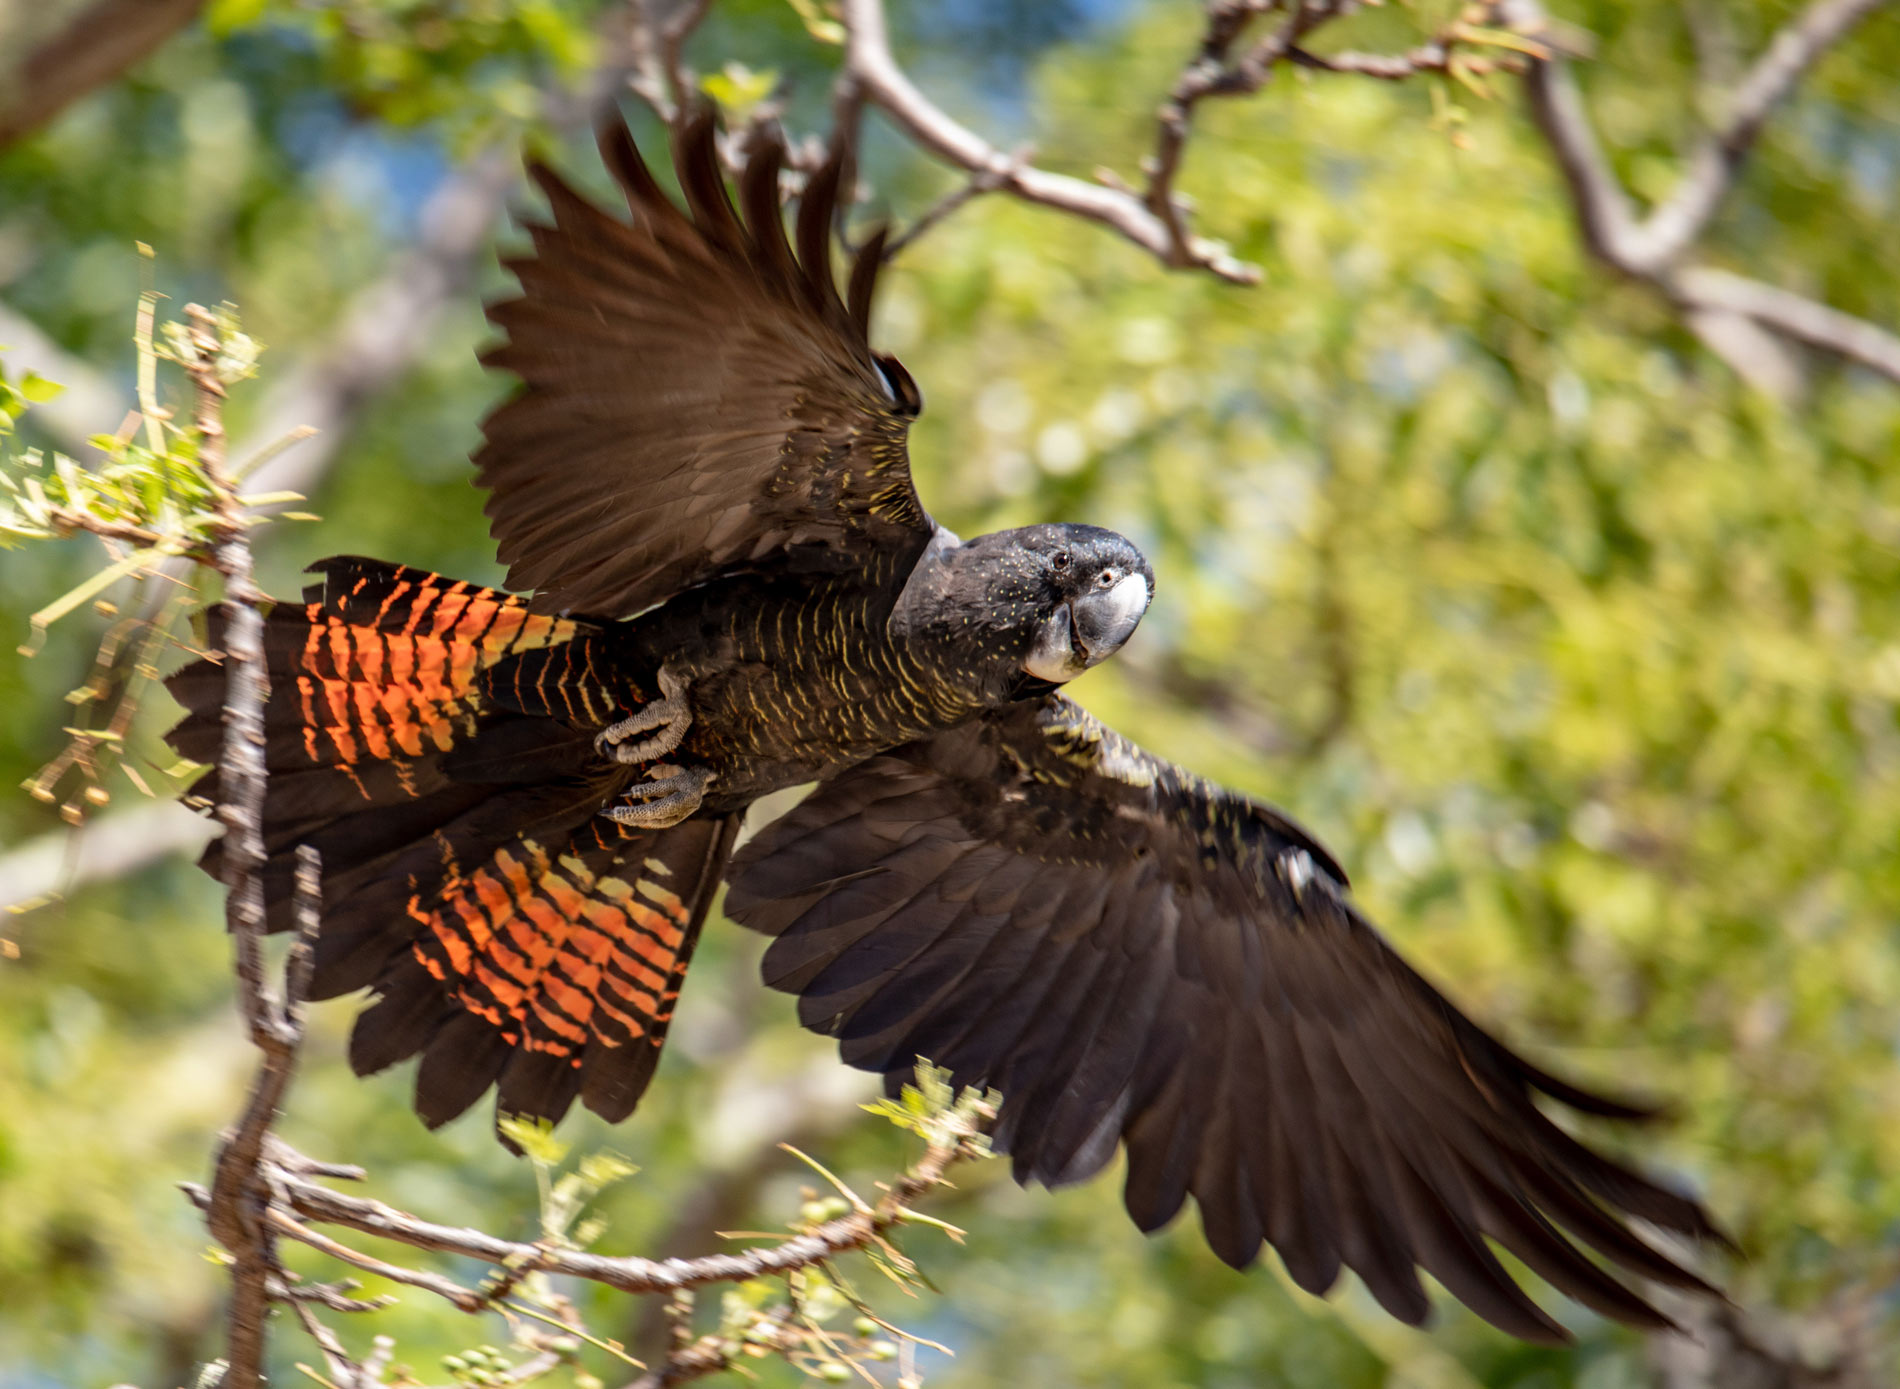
x=1107, y=618
x=1088, y=630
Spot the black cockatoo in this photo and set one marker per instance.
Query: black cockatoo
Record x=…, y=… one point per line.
x=727, y=585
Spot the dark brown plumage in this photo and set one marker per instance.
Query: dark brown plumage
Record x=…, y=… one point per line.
x=525, y=803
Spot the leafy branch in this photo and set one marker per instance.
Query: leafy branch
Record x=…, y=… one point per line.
x=157, y=493
x=782, y=1296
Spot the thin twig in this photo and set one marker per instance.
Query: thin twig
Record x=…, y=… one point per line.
x=1432, y=56
x=977, y=184
x=465, y=1299
x=344, y=1371
x=335, y=1296
x=652, y=36
x=1211, y=74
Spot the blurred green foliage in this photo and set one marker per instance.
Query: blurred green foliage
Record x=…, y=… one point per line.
x=1582, y=658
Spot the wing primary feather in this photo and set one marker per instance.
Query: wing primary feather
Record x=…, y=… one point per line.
x=1160, y=1156
x=864, y=271
x=817, y=207
x=688, y=356
x=1460, y=1259
x=1371, y=1243
x=696, y=161
x=1230, y=1217
x=646, y=200
x=758, y=194
x=1519, y=1227
x=1045, y=1063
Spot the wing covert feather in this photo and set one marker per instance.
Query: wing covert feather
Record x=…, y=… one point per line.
x=1130, y=954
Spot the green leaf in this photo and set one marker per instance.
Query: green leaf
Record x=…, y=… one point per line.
x=38, y=389
x=227, y=16
x=535, y=1137
x=738, y=88
x=601, y=1170
x=823, y=26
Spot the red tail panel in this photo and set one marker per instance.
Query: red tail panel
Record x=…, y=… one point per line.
x=434, y=740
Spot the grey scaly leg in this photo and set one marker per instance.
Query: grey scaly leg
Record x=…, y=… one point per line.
x=668, y=796
x=670, y=714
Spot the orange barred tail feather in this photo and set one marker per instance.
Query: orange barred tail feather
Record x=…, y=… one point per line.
x=434, y=741
x=547, y=970
x=377, y=676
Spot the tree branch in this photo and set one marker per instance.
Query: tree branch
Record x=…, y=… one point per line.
x=1211, y=75
x=652, y=35
x=874, y=76
x=274, y=1028
x=1728, y=311
x=96, y=45
x=1674, y=226
x=1793, y=315
x=465, y=1299
x=854, y=1230
x=1154, y=218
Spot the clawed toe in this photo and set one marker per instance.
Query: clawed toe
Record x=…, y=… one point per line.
x=670, y=715
x=668, y=796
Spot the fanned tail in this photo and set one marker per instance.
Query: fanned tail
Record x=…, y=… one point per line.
x=547, y=973
x=434, y=741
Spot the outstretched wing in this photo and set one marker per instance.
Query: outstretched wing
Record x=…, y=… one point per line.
x=1131, y=954
x=694, y=395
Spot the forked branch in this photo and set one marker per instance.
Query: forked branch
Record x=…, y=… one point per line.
x=1741, y=319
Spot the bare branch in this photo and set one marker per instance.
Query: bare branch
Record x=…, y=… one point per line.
x=1792, y=52
x=1793, y=315
x=237, y=1206
x=874, y=76
x=1434, y=56
x=1156, y=217
x=1212, y=75
x=1728, y=311
x=985, y=181
x=650, y=36
x=241, y=810
x=465, y=1299
x=96, y=45
x=345, y=1372
x=1761, y=358
x=1603, y=210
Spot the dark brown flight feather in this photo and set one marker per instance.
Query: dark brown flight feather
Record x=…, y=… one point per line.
x=1136, y=957
x=694, y=397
